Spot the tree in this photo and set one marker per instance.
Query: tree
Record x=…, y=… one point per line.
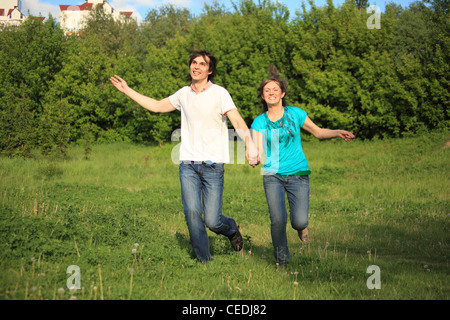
x=30, y=58
x=17, y=134
x=362, y=4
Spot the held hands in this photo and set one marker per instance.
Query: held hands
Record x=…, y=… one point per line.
x=252, y=156
x=253, y=161
x=119, y=83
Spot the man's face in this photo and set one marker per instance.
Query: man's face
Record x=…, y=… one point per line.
x=200, y=68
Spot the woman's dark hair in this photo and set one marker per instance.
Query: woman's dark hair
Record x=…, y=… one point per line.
x=273, y=76
x=212, y=63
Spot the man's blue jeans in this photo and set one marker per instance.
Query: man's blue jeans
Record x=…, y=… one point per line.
x=201, y=192
x=297, y=190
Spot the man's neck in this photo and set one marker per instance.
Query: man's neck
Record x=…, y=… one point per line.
x=199, y=86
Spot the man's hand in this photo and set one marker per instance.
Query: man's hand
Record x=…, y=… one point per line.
x=119, y=83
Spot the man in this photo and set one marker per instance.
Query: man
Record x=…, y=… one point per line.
x=204, y=148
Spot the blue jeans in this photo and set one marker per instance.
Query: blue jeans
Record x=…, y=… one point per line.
x=297, y=190
x=201, y=192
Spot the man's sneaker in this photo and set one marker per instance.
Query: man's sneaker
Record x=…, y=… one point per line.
x=236, y=240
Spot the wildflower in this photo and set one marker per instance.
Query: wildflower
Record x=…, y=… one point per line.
x=136, y=245
x=133, y=251
x=60, y=290
x=295, y=283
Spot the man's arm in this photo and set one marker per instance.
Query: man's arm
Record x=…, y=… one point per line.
x=146, y=102
x=242, y=130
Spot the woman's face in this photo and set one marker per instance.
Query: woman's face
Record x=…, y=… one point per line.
x=272, y=94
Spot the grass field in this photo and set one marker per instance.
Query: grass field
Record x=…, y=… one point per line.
x=383, y=203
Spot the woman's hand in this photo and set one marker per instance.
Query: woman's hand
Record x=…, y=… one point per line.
x=347, y=136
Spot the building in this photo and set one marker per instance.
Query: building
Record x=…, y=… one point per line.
x=73, y=18
x=10, y=14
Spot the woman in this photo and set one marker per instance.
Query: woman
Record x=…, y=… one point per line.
x=286, y=171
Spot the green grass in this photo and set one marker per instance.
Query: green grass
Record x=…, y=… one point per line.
x=383, y=203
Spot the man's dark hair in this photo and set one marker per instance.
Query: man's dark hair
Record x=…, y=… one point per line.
x=212, y=63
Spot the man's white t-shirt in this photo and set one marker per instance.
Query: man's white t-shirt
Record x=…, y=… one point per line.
x=204, y=130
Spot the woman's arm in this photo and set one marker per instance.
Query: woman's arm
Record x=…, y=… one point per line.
x=322, y=134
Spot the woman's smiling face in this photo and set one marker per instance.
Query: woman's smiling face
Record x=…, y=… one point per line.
x=272, y=94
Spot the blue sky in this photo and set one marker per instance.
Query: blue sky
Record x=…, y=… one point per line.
x=141, y=7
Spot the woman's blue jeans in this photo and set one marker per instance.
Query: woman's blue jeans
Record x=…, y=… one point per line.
x=297, y=190
x=201, y=192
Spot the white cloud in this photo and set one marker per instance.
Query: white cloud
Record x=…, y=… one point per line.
x=40, y=8
x=138, y=7
x=179, y=3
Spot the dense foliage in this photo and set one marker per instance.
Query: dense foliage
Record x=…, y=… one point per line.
x=386, y=82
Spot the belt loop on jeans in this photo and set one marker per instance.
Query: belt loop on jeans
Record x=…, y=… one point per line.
x=209, y=163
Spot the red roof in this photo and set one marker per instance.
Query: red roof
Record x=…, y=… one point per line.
x=11, y=10
x=87, y=6
x=127, y=13
x=83, y=7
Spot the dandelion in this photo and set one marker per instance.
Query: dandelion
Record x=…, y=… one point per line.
x=61, y=291
x=133, y=251
x=136, y=245
x=73, y=298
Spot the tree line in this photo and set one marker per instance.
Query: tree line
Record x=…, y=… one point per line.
x=386, y=82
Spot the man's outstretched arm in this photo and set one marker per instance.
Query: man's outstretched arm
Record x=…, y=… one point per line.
x=144, y=101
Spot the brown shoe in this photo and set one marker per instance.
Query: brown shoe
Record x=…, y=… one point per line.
x=236, y=240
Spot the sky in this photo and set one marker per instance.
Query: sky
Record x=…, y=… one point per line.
x=141, y=7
